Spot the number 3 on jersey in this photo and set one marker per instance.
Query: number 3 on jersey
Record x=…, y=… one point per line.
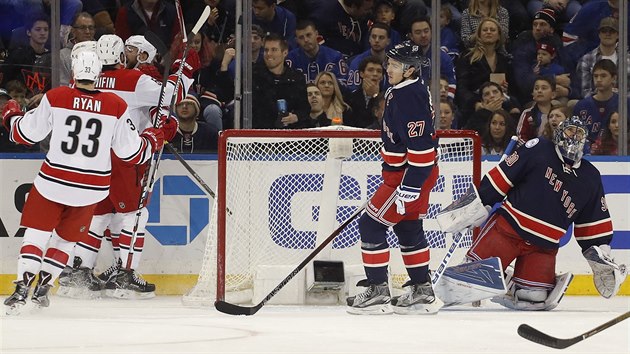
x=415, y=129
x=93, y=125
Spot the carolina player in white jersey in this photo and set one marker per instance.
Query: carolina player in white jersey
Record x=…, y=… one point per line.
x=118, y=212
x=87, y=125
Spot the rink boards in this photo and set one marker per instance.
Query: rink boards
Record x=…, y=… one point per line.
x=179, y=219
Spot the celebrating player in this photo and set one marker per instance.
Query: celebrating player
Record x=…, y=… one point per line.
x=141, y=92
x=409, y=173
x=86, y=124
x=543, y=187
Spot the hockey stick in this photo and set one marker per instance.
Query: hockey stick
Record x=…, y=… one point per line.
x=532, y=334
x=149, y=178
x=460, y=235
x=232, y=309
x=447, y=257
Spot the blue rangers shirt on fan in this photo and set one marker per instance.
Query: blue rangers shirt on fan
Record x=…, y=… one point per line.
x=542, y=196
x=407, y=133
x=326, y=59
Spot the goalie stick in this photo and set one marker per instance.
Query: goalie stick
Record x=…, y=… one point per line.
x=232, y=309
x=460, y=235
x=532, y=334
x=149, y=177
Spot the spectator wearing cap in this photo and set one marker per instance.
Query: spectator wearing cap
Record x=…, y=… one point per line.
x=546, y=65
x=607, y=49
x=565, y=9
x=525, y=51
x=385, y=12
x=193, y=135
x=580, y=36
x=310, y=58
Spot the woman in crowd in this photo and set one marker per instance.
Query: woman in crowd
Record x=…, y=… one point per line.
x=333, y=103
x=498, y=132
x=477, y=11
x=476, y=66
x=608, y=141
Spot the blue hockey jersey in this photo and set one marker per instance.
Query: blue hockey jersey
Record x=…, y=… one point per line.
x=408, y=133
x=327, y=59
x=542, y=196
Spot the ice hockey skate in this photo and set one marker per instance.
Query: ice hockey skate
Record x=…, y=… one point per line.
x=110, y=273
x=17, y=300
x=129, y=285
x=79, y=283
x=418, y=300
x=40, y=295
x=375, y=300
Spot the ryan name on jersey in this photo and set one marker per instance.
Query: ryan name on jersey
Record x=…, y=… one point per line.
x=86, y=103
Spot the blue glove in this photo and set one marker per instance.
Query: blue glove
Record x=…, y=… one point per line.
x=405, y=194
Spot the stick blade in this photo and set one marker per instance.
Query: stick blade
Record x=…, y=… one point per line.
x=236, y=310
x=532, y=334
x=155, y=41
x=202, y=19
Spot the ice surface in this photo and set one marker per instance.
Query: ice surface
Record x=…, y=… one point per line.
x=164, y=325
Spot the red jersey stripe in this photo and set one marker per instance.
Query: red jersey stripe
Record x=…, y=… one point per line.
x=499, y=181
x=394, y=159
x=417, y=258
x=378, y=258
x=536, y=227
x=593, y=230
x=421, y=158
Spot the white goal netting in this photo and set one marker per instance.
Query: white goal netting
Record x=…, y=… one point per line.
x=282, y=192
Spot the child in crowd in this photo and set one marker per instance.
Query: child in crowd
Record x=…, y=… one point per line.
x=449, y=40
x=17, y=90
x=386, y=13
x=533, y=120
x=546, y=65
x=608, y=141
x=447, y=113
x=557, y=114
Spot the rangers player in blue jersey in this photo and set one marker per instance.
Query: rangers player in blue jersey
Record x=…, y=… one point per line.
x=409, y=173
x=543, y=187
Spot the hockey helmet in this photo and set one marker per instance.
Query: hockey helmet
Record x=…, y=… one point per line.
x=143, y=46
x=408, y=53
x=109, y=49
x=86, y=66
x=570, y=137
x=81, y=47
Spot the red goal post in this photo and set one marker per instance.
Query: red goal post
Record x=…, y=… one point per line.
x=280, y=192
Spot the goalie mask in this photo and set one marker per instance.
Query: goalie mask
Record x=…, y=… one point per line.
x=570, y=137
x=408, y=54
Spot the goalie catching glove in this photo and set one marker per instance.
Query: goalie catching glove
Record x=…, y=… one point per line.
x=464, y=213
x=607, y=275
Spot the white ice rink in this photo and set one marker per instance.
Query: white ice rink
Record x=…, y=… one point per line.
x=164, y=325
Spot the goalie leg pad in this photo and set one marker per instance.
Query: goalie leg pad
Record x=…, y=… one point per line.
x=517, y=299
x=469, y=282
x=607, y=275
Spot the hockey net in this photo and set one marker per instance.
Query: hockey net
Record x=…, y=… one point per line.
x=280, y=193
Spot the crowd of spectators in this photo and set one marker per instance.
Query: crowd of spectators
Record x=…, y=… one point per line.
x=508, y=67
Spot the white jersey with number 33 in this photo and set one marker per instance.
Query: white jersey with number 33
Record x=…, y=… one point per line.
x=86, y=126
